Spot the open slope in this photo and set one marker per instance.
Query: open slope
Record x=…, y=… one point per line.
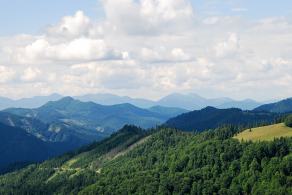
x=266, y=133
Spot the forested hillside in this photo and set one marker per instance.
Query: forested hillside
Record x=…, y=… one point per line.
x=210, y=118
x=283, y=106
x=18, y=148
x=165, y=161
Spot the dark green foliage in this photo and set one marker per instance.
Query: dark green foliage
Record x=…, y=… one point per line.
x=210, y=118
x=284, y=106
x=288, y=121
x=168, y=162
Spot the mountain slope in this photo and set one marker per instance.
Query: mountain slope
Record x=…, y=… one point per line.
x=283, y=106
x=210, y=118
x=265, y=133
x=18, y=146
x=167, y=162
x=71, y=136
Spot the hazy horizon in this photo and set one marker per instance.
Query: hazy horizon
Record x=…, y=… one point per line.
x=145, y=98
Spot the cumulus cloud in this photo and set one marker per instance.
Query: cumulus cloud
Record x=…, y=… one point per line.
x=71, y=26
x=79, y=49
x=148, y=17
x=229, y=47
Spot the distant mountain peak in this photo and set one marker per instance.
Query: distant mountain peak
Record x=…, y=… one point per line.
x=66, y=99
x=209, y=108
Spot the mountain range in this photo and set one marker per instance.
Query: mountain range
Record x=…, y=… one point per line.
x=66, y=124
x=177, y=100
x=95, y=117
x=186, y=101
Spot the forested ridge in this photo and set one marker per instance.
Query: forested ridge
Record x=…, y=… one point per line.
x=166, y=161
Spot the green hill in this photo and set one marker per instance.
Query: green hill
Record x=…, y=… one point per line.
x=266, y=133
x=166, y=161
x=283, y=106
x=210, y=118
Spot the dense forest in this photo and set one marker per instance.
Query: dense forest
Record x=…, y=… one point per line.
x=162, y=161
x=211, y=118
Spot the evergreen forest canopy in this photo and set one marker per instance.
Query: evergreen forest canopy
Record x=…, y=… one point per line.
x=162, y=161
x=288, y=121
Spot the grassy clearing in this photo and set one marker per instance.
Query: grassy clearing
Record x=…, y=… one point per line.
x=265, y=133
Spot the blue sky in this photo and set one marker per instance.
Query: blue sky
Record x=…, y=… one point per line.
x=33, y=16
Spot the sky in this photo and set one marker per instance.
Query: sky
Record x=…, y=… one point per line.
x=146, y=48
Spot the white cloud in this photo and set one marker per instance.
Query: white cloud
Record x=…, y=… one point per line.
x=71, y=26
x=6, y=74
x=30, y=74
x=79, y=49
x=229, y=47
x=148, y=17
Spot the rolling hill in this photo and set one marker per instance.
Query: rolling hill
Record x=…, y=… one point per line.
x=265, y=133
x=284, y=106
x=210, y=118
